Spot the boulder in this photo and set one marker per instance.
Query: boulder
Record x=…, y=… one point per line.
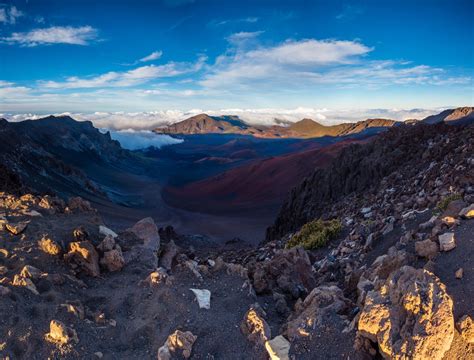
x=290, y=271
x=465, y=326
x=179, y=341
x=318, y=307
x=426, y=248
x=49, y=246
x=254, y=326
x=409, y=316
x=146, y=230
x=278, y=348
x=83, y=255
x=447, y=241
x=60, y=334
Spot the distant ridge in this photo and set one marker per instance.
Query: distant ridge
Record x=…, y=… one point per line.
x=305, y=128
x=458, y=115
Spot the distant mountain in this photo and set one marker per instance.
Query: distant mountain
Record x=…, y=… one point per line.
x=306, y=128
x=458, y=115
x=205, y=124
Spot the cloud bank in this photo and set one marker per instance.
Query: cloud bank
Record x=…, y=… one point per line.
x=122, y=121
x=136, y=140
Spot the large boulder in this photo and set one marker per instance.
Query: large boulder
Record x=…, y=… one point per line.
x=147, y=230
x=290, y=272
x=410, y=316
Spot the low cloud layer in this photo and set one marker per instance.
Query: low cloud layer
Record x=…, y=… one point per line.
x=136, y=140
x=150, y=120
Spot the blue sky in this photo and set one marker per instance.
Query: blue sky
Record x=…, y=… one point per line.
x=142, y=56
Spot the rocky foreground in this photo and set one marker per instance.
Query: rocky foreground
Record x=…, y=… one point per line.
x=397, y=282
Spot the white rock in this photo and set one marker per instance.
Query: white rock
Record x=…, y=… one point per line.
x=203, y=297
x=446, y=241
x=104, y=230
x=278, y=348
x=365, y=210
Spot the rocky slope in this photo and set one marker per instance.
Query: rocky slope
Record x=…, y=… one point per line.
x=306, y=128
x=395, y=282
x=401, y=153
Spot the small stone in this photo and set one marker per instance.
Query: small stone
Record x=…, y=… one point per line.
x=459, y=273
x=178, y=341
x=17, y=228
x=467, y=212
x=446, y=241
x=203, y=297
x=49, y=246
x=278, y=348
x=19, y=280
x=99, y=355
x=465, y=326
x=3, y=270
x=31, y=272
x=60, y=334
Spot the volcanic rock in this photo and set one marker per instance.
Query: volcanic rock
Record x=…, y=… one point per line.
x=113, y=259
x=146, y=230
x=467, y=212
x=426, y=248
x=289, y=270
x=83, y=255
x=465, y=326
x=278, y=348
x=49, y=246
x=409, y=316
x=203, y=297
x=178, y=341
x=169, y=253
x=447, y=241
x=316, y=309
x=16, y=228
x=60, y=334
x=255, y=327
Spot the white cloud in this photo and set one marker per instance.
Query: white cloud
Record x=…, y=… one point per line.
x=250, y=20
x=82, y=35
x=133, y=77
x=140, y=121
x=9, y=15
x=302, y=65
x=142, y=139
x=155, y=55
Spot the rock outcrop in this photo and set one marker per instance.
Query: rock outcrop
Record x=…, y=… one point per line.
x=409, y=316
